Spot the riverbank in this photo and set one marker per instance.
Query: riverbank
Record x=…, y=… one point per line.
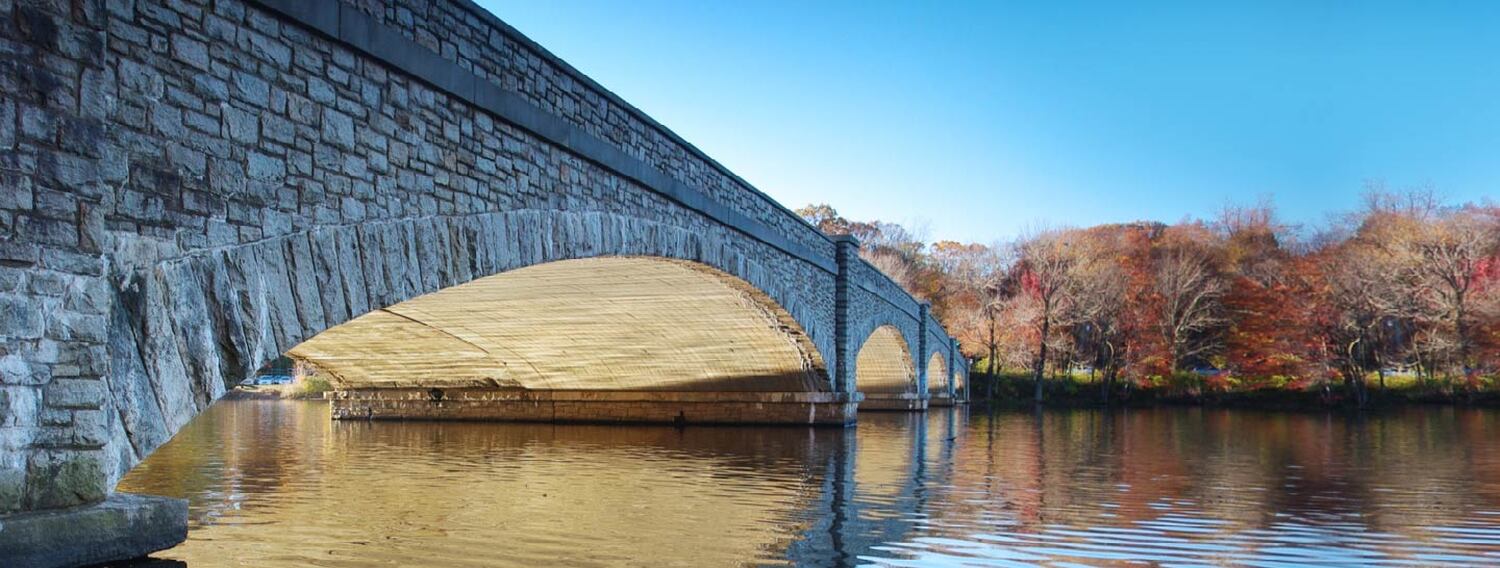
x=1016, y=391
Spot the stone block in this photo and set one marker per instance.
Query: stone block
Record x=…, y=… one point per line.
x=190, y=51
x=241, y=125
x=18, y=406
x=251, y=89
x=62, y=478
x=7, y=124
x=338, y=129
x=72, y=326
x=38, y=123
x=20, y=317
x=269, y=49
x=74, y=393
x=15, y=191
x=226, y=177
x=167, y=120
x=266, y=168
x=123, y=527
x=277, y=128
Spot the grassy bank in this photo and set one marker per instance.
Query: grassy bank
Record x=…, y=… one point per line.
x=303, y=388
x=1016, y=389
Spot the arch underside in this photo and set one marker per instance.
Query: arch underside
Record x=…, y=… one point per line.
x=937, y=374
x=604, y=323
x=884, y=363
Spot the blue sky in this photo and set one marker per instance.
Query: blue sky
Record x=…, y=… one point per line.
x=978, y=120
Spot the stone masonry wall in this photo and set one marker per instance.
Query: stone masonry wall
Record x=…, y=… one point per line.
x=875, y=301
x=460, y=31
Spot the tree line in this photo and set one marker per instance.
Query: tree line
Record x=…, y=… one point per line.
x=1406, y=286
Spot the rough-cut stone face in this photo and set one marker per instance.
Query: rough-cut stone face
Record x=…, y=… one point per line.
x=615, y=323
x=190, y=188
x=884, y=364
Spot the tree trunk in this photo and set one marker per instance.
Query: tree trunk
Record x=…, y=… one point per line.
x=1041, y=360
x=1463, y=338
x=990, y=390
x=1108, y=377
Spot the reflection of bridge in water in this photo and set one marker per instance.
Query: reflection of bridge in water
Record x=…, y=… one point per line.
x=280, y=476
x=877, y=486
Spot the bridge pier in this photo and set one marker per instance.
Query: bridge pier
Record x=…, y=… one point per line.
x=662, y=407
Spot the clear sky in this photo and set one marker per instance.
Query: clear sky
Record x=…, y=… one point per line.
x=980, y=119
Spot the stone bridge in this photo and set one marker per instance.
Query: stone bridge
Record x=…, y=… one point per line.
x=445, y=218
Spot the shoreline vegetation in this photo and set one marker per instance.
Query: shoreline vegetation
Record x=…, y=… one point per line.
x=1016, y=390
x=1397, y=301
x=271, y=392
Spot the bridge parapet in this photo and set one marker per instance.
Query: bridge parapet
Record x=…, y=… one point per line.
x=492, y=51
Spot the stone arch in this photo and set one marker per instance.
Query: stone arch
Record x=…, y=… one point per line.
x=937, y=374
x=183, y=330
x=625, y=323
x=884, y=363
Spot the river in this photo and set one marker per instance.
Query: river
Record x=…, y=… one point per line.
x=277, y=483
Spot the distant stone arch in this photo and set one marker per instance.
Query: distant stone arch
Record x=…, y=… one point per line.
x=884, y=363
x=937, y=375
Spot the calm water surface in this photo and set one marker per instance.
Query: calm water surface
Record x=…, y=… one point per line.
x=279, y=484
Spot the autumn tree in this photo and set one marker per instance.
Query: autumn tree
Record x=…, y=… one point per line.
x=1098, y=306
x=1404, y=281
x=1052, y=268
x=1267, y=300
x=1188, y=282
x=1451, y=259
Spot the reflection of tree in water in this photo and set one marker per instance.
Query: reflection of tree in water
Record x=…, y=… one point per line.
x=1231, y=480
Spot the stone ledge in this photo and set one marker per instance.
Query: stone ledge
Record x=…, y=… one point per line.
x=122, y=527
x=898, y=401
x=490, y=394
x=660, y=407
